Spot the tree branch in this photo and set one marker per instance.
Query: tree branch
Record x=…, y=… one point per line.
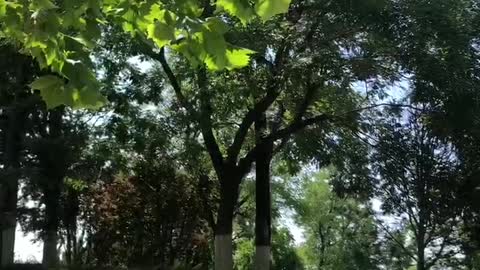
x=205, y=122
x=300, y=125
x=392, y=237
x=173, y=80
x=260, y=107
x=283, y=134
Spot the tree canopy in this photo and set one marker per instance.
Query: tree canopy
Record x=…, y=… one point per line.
x=241, y=134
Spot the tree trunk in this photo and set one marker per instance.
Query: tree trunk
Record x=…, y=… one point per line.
x=8, y=240
x=53, y=189
x=421, y=259
x=262, y=199
x=421, y=230
x=223, y=232
x=8, y=227
x=50, y=251
x=9, y=188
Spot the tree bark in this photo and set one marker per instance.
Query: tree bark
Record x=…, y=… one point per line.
x=50, y=251
x=9, y=188
x=50, y=240
x=262, y=198
x=421, y=263
x=53, y=190
x=223, y=233
x=420, y=257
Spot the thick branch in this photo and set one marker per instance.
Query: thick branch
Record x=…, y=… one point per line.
x=247, y=122
x=205, y=122
x=260, y=107
x=302, y=124
x=297, y=126
x=173, y=80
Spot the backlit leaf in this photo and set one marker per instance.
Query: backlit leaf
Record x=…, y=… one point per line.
x=269, y=8
x=51, y=89
x=43, y=4
x=161, y=33
x=238, y=8
x=238, y=58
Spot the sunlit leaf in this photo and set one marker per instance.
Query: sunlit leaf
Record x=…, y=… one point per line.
x=238, y=58
x=238, y=8
x=161, y=33
x=88, y=97
x=48, y=81
x=43, y=4
x=269, y=8
x=51, y=89
x=189, y=7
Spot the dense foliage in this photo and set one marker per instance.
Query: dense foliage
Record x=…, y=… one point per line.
x=235, y=134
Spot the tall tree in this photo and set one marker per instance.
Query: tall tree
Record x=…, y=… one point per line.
x=54, y=142
x=160, y=23
x=340, y=232
x=16, y=104
x=417, y=175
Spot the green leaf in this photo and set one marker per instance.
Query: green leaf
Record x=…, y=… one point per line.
x=76, y=184
x=269, y=8
x=189, y=7
x=45, y=82
x=161, y=33
x=238, y=8
x=216, y=25
x=92, y=30
x=83, y=87
x=216, y=48
x=3, y=8
x=156, y=13
x=88, y=98
x=43, y=5
x=52, y=90
x=238, y=58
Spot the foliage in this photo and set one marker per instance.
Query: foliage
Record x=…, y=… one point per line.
x=418, y=186
x=283, y=249
x=154, y=218
x=284, y=253
x=60, y=36
x=340, y=233
x=142, y=179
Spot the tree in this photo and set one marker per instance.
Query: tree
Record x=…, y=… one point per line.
x=16, y=104
x=416, y=174
x=50, y=32
x=153, y=219
x=54, y=142
x=300, y=80
x=452, y=93
x=340, y=232
x=160, y=23
x=284, y=253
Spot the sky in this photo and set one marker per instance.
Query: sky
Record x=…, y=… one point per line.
x=25, y=249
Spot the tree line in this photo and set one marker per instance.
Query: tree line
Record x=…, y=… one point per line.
x=180, y=133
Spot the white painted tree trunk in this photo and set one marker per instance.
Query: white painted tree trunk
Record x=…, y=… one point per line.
x=262, y=257
x=223, y=252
